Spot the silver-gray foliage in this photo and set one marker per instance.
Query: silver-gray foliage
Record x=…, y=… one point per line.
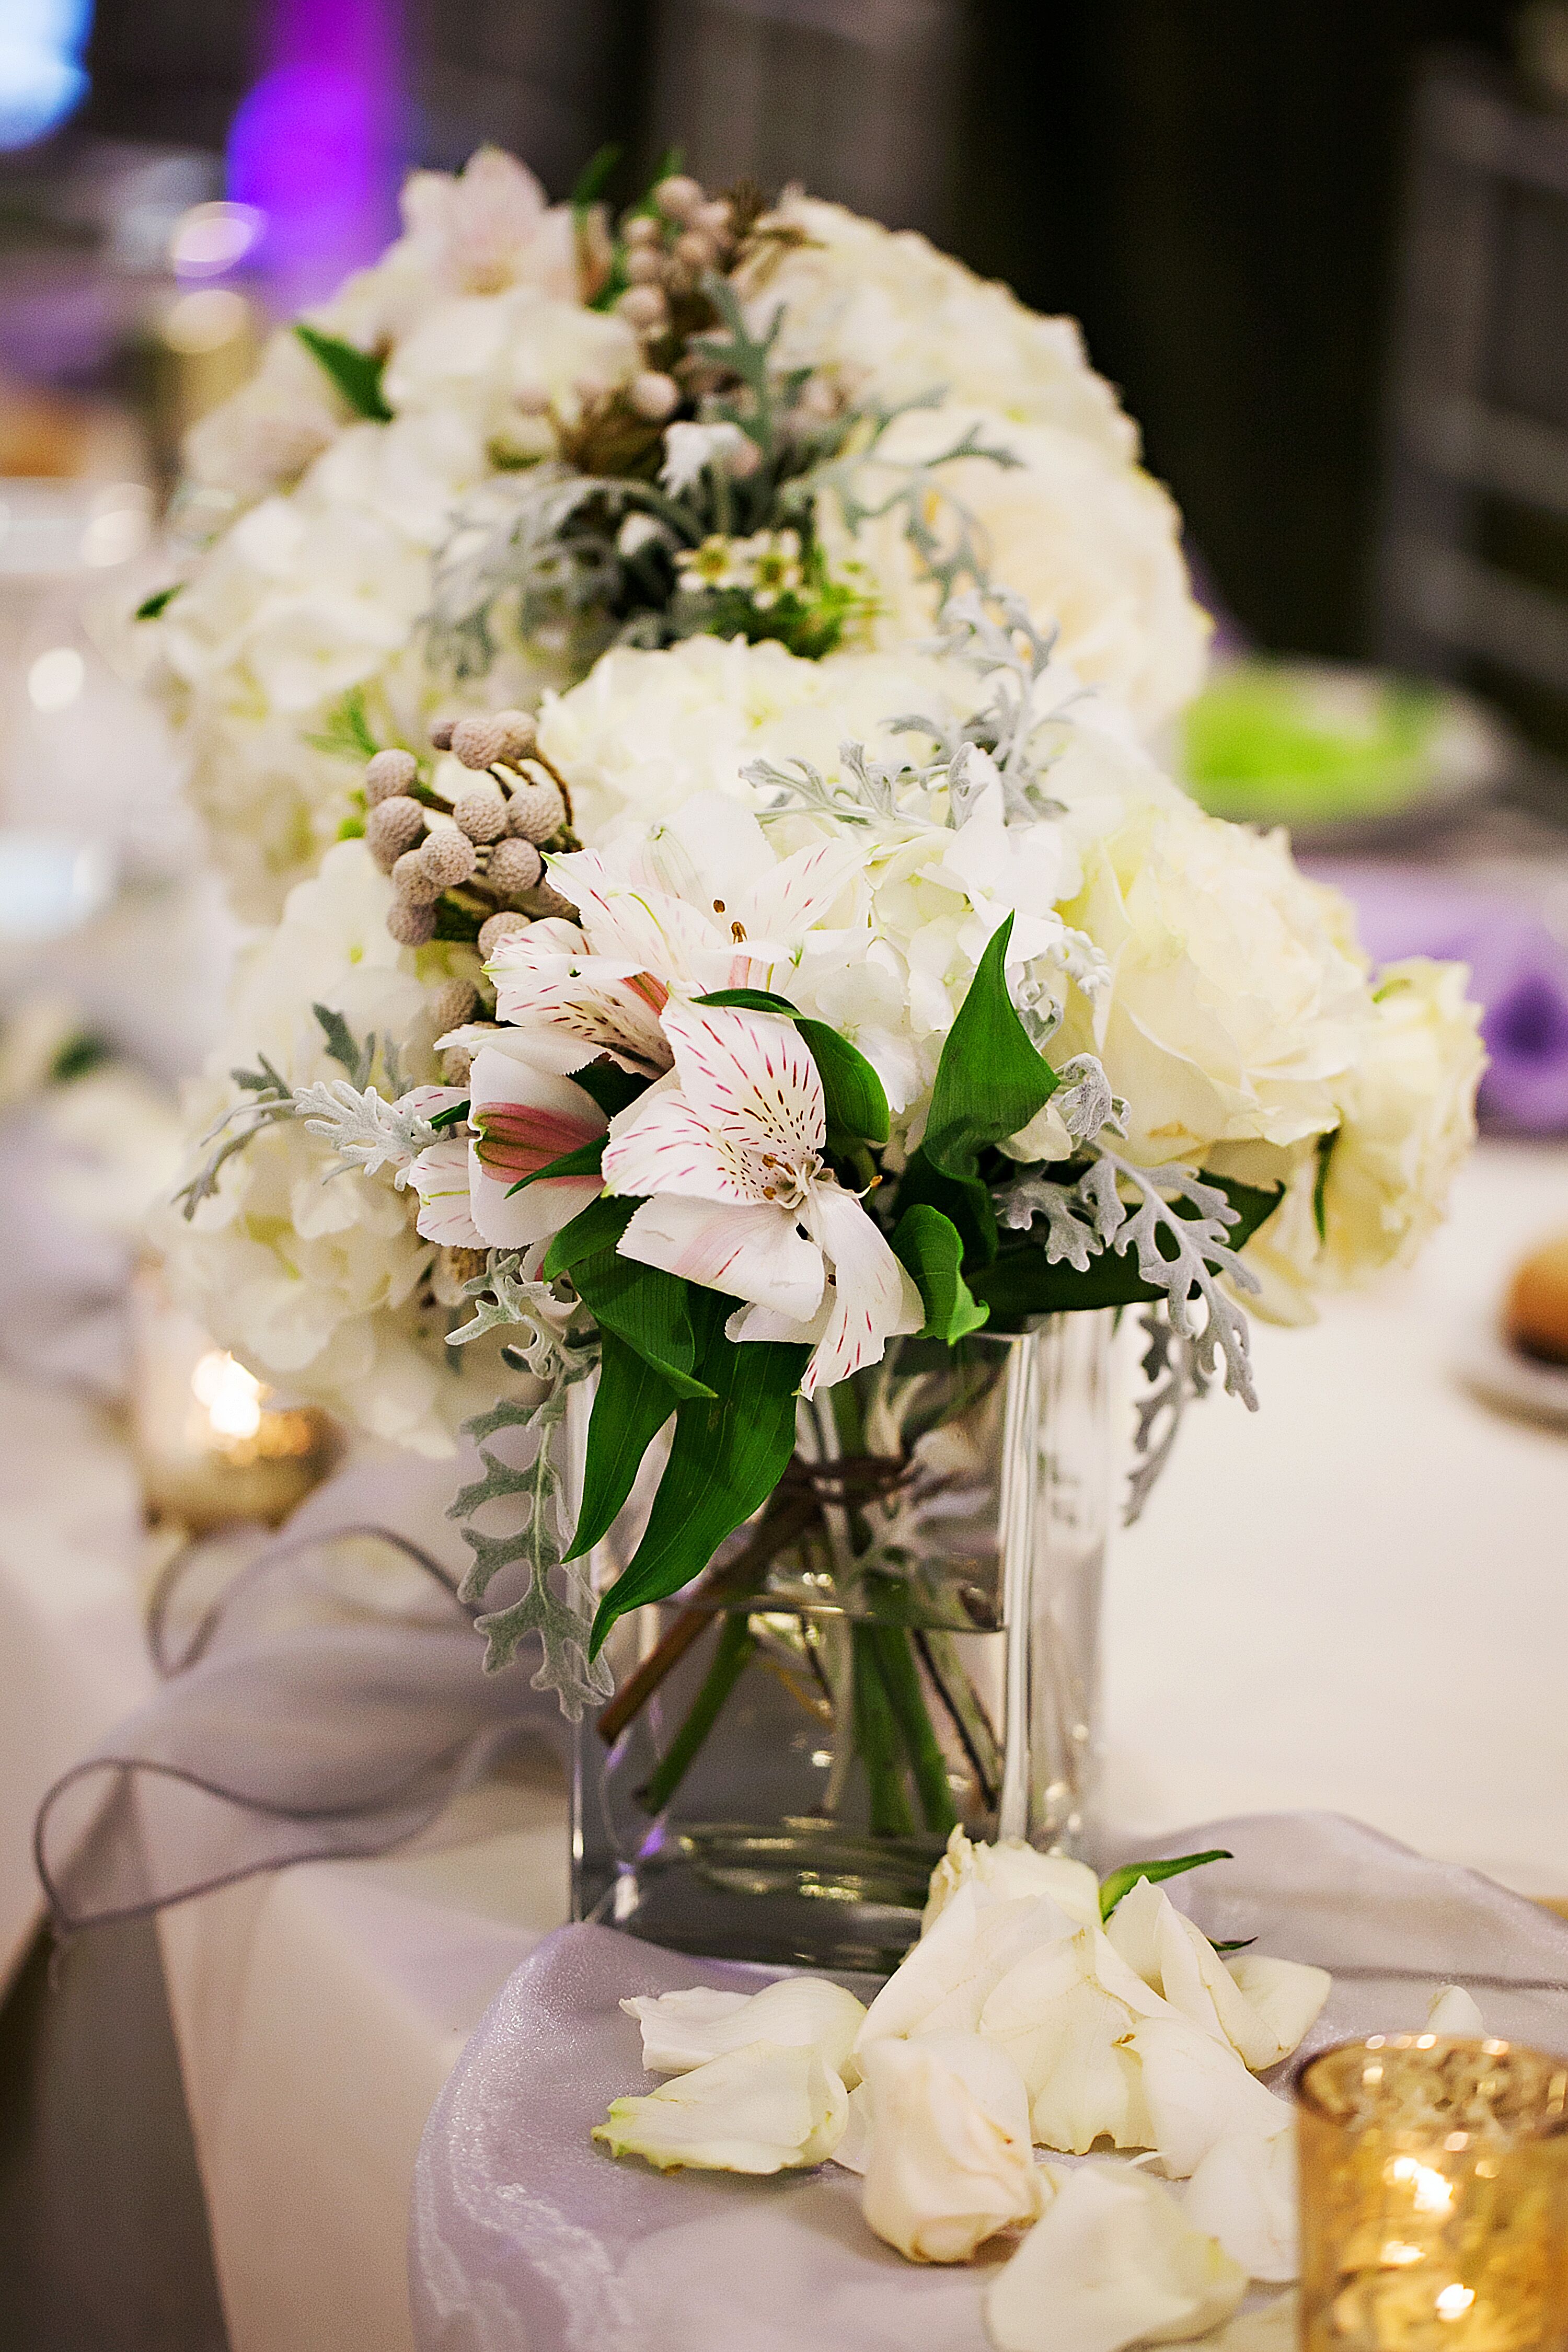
x=366, y=1132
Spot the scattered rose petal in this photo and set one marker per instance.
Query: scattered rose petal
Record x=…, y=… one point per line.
x=683, y=2030
x=1260, y=2006
x=1197, y=2092
x=1243, y=2193
x=942, y=1984
x=760, y=2109
x=1113, y=2260
x=949, y=2162
x=1453, y=2010
x=1063, y=2014
x=1007, y=1870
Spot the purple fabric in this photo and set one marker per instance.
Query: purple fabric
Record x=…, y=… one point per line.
x=1518, y=973
x=528, y=2236
x=327, y=1700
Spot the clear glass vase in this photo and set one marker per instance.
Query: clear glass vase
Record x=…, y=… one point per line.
x=907, y=1638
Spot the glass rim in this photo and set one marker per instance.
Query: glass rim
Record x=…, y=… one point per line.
x=1540, y=2123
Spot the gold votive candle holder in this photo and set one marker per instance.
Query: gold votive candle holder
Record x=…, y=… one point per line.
x=213, y=1445
x=1434, y=2179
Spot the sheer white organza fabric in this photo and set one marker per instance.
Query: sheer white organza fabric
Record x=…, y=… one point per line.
x=528, y=2237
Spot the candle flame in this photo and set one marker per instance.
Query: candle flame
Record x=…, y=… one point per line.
x=231, y=1395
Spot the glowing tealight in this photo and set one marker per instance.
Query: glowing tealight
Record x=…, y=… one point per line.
x=231, y=1395
x=1455, y=2301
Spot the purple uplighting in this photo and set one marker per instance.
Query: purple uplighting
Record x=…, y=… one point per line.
x=317, y=145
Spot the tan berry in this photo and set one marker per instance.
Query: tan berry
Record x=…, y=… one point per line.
x=441, y=734
x=480, y=813
x=478, y=742
x=448, y=857
x=514, y=867
x=392, y=827
x=521, y=733
x=388, y=774
x=695, y=251
x=679, y=196
x=642, y=306
x=717, y=217
x=642, y=229
x=500, y=927
x=412, y=882
x=411, y=925
x=645, y=265
x=455, y=1063
x=535, y=812
x=654, y=396
x=452, y=1004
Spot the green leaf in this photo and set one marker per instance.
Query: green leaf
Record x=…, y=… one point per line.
x=649, y=1309
x=597, y=1227
x=750, y=999
x=355, y=374
x=1320, y=1184
x=609, y=1085
x=991, y=1080
x=966, y=1202
x=857, y=1105
x=158, y=602
x=1122, y=1882
x=929, y=1246
x=595, y=177
x=728, y=1455
x=633, y=1403
x=582, y=1161
x=453, y=1116
x=1020, y=1282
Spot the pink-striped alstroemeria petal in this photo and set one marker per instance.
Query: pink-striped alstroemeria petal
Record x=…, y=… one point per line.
x=874, y=1297
x=757, y=1254
x=751, y=1078
x=649, y=930
x=783, y=905
x=440, y=1177
x=526, y=1118
x=596, y=1005
x=661, y=1144
x=430, y=1102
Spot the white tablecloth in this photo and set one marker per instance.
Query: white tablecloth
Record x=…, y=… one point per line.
x=1354, y=1600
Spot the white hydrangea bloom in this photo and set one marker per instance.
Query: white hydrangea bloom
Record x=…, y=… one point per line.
x=888, y=315
x=324, y=1287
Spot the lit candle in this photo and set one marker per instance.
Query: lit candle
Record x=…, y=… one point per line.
x=1434, y=2196
x=212, y=1445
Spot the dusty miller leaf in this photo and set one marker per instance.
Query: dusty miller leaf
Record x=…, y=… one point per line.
x=1176, y=1379
x=365, y=1130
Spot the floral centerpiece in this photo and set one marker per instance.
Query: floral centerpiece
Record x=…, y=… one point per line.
x=776, y=1034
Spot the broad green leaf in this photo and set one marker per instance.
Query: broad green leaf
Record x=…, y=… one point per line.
x=991, y=1080
x=728, y=1455
x=929, y=1246
x=453, y=1116
x=597, y=1227
x=750, y=999
x=633, y=1403
x=966, y=1201
x=648, y=1309
x=857, y=1104
x=158, y=602
x=356, y=373
x=595, y=177
x=1122, y=1882
x=609, y=1085
x=583, y=1161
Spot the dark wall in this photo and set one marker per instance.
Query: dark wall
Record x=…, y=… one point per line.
x=1213, y=188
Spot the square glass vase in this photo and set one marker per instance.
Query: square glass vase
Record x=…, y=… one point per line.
x=906, y=1639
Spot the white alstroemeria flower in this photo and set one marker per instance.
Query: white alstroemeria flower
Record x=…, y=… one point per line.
x=1113, y=2260
x=572, y=1004
x=728, y=1152
x=1064, y=2015
x=1455, y=2011
x=761, y=2109
x=523, y=1118
x=942, y=1983
x=683, y=2030
x=1004, y=1872
x=1243, y=2194
x=949, y=2162
x=1260, y=2006
x=1197, y=2092
x=690, y=449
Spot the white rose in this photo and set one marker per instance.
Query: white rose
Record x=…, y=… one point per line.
x=476, y=353
x=760, y=2109
x=1407, y=1118
x=1089, y=541
x=892, y=318
x=1007, y=1870
x=1234, y=1012
x=1114, y=2260
x=949, y=2162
